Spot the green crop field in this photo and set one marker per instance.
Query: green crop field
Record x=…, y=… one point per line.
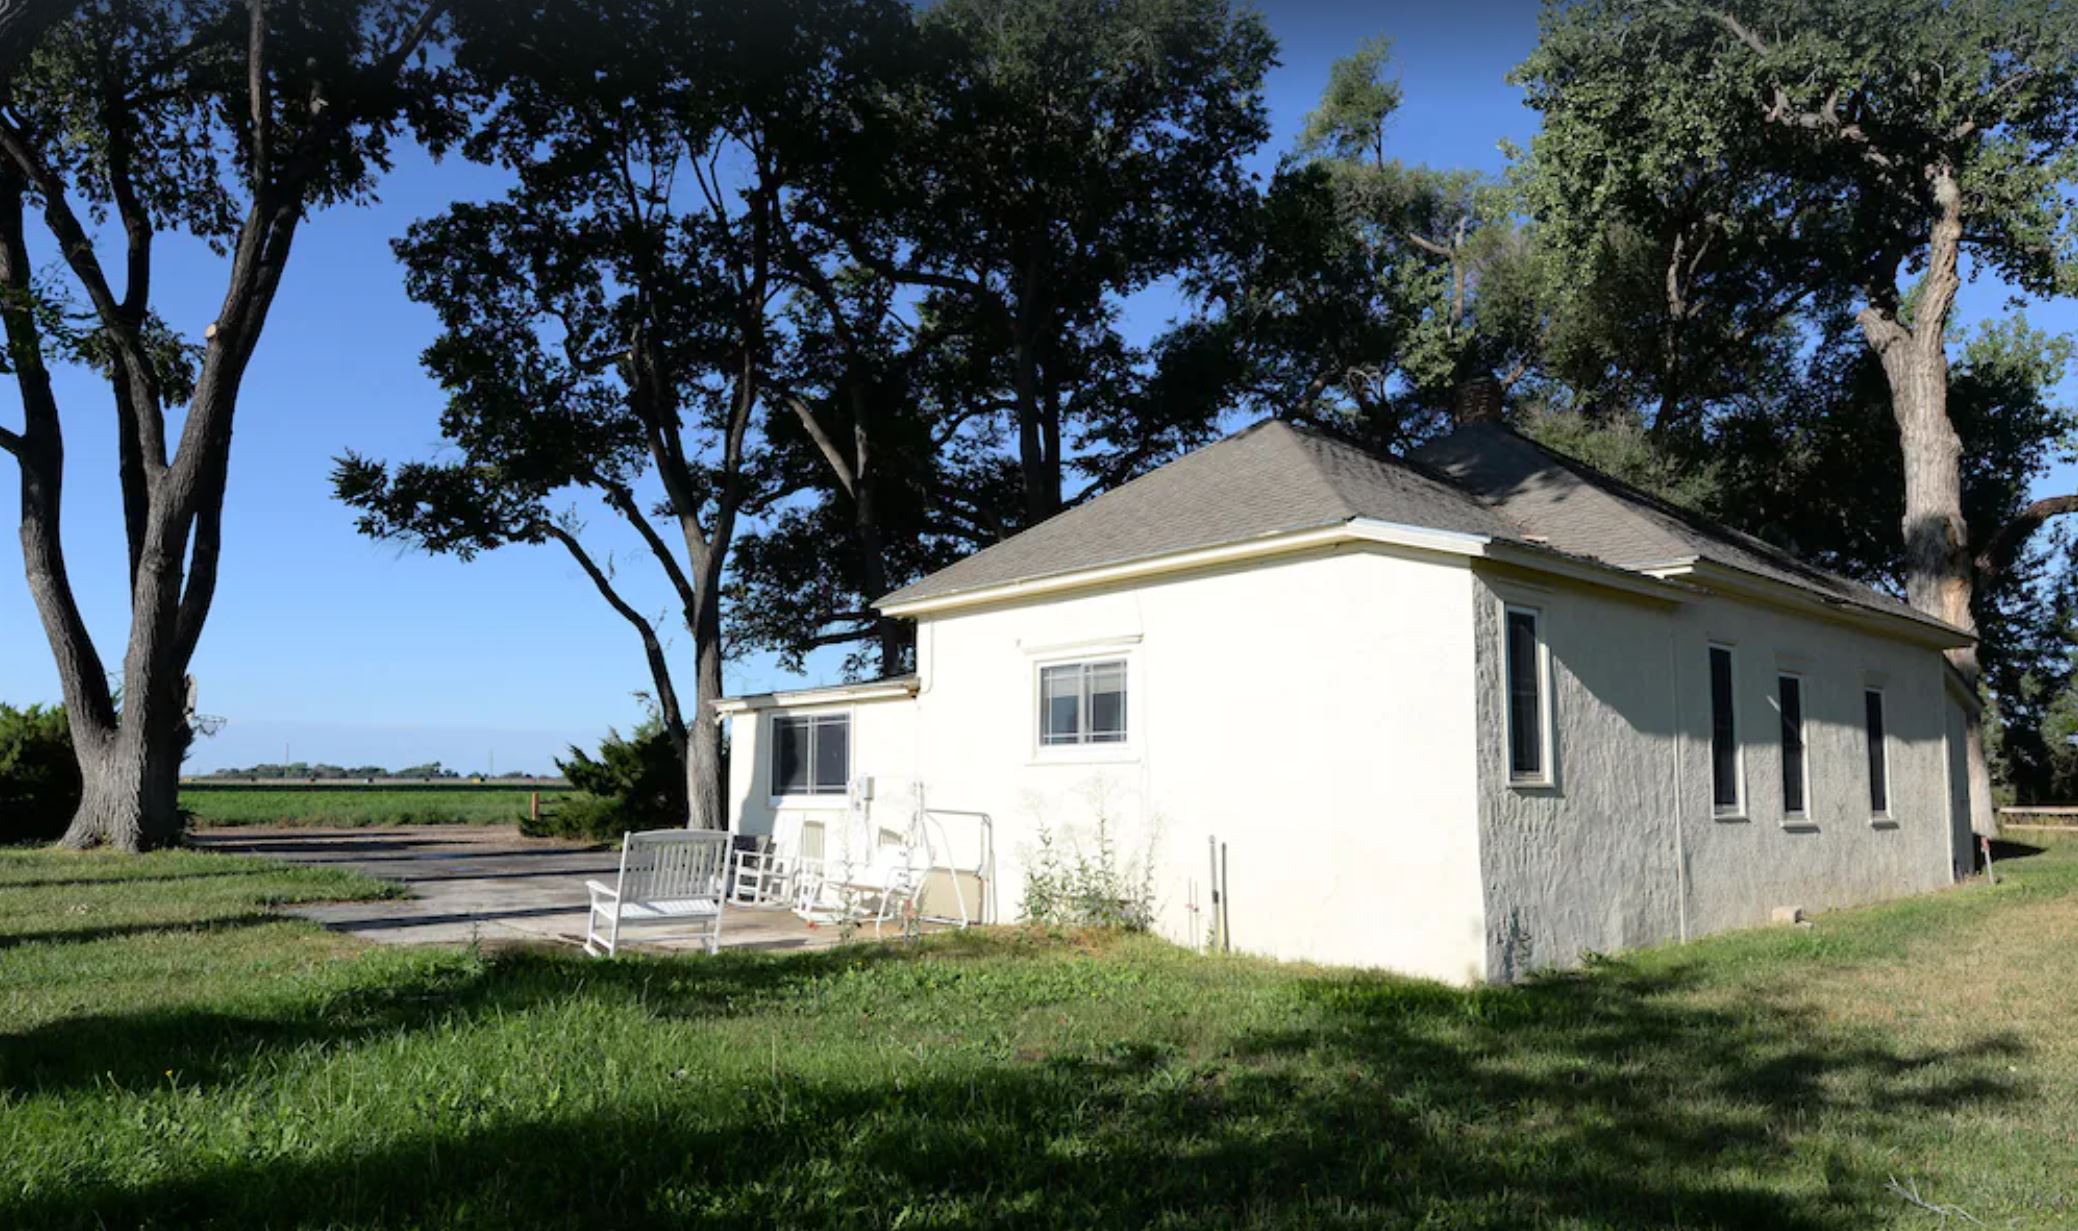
x=356, y=804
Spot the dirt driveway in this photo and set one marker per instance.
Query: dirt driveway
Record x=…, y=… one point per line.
x=484, y=883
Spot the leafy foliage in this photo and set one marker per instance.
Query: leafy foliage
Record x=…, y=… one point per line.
x=636, y=782
x=1074, y=887
x=39, y=776
x=1365, y=292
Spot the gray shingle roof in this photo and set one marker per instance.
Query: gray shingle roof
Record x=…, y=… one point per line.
x=1581, y=511
x=1276, y=478
x=1272, y=478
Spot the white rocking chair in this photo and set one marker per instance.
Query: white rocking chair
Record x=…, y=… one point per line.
x=667, y=876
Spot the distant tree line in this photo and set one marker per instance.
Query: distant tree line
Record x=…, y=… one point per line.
x=815, y=296
x=322, y=772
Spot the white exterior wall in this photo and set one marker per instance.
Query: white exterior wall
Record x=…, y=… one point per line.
x=1314, y=714
x=883, y=743
x=1625, y=848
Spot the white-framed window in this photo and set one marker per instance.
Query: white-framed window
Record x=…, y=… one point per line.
x=811, y=754
x=1727, y=766
x=1526, y=671
x=1083, y=703
x=1796, y=755
x=1873, y=729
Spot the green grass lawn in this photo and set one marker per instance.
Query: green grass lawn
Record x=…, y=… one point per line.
x=171, y=1056
x=355, y=805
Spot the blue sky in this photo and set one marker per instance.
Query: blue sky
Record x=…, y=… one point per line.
x=326, y=646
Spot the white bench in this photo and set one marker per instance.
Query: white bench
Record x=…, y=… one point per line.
x=667, y=876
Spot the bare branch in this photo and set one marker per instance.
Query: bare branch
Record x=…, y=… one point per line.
x=1909, y=1194
x=652, y=649
x=1780, y=110
x=839, y=464
x=1427, y=245
x=623, y=501
x=10, y=442
x=1739, y=31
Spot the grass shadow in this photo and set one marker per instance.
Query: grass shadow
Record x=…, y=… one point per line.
x=133, y=1051
x=1608, y=1098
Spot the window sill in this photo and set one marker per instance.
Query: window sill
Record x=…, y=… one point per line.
x=1533, y=786
x=1883, y=822
x=1734, y=818
x=835, y=801
x=1800, y=824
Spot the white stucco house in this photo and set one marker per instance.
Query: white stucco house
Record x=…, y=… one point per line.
x=1461, y=716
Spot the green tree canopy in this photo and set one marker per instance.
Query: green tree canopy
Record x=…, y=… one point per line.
x=1841, y=157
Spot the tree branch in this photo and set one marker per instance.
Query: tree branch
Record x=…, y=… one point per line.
x=623, y=501
x=10, y=442
x=73, y=243
x=839, y=465
x=256, y=88
x=2004, y=546
x=1426, y=244
x=652, y=649
x=39, y=451
x=846, y=637
x=1781, y=111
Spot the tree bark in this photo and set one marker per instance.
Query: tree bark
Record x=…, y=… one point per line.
x=1038, y=434
x=129, y=763
x=703, y=762
x=1940, y=570
x=668, y=711
x=130, y=756
x=889, y=635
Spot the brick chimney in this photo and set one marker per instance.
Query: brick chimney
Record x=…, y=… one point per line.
x=1477, y=399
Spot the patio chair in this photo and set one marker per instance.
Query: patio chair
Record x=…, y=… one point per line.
x=879, y=890
x=764, y=874
x=670, y=877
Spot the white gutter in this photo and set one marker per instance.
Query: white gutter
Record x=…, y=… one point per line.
x=1589, y=572
x=1920, y=629
x=1361, y=530
x=836, y=694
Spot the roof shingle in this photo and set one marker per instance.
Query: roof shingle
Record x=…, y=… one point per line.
x=1277, y=478
x=1272, y=478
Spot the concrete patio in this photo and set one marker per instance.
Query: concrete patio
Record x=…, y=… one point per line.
x=486, y=884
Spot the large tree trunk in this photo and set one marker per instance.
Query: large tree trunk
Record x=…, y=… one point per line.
x=703, y=763
x=1940, y=570
x=890, y=635
x=131, y=792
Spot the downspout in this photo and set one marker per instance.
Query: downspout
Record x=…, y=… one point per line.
x=1674, y=742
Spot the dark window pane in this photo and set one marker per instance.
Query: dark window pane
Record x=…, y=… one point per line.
x=1879, y=771
x=1060, y=704
x=1107, y=702
x=789, y=756
x=1724, y=734
x=832, y=754
x=1525, y=698
x=1791, y=690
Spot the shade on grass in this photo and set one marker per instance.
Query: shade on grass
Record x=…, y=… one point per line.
x=172, y=1056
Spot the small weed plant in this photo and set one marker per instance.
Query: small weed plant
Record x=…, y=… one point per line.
x=1066, y=886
